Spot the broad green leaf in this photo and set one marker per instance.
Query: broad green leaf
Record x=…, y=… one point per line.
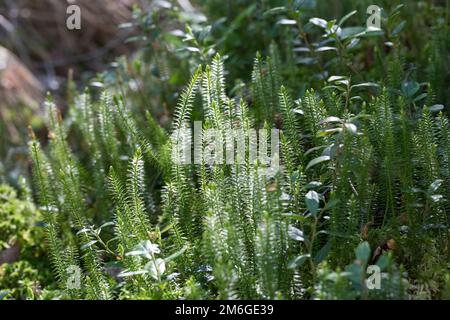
x=314, y=149
x=325, y=48
x=351, y=127
x=346, y=17
x=353, y=43
x=84, y=230
x=107, y=224
x=410, y=88
x=307, y=60
x=274, y=11
x=287, y=22
x=131, y=273
x=319, y=22
x=397, y=9
x=301, y=49
x=192, y=49
x=328, y=132
x=335, y=87
x=313, y=185
x=136, y=253
x=352, y=32
x=335, y=78
x=363, y=252
x=97, y=84
x=399, y=28
x=298, y=261
x=383, y=262
x=436, y=108
x=372, y=32
x=176, y=254
x=356, y=98
x=365, y=84
x=322, y=253
x=89, y=244
x=295, y=234
x=312, y=201
x=317, y=160
x=156, y=267
x=344, y=82
x=330, y=120
x=330, y=150
x=330, y=204
x=354, y=272
x=420, y=97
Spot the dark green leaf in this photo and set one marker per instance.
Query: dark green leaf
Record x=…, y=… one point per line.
x=436, y=108
x=346, y=17
x=295, y=234
x=312, y=201
x=317, y=160
x=322, y=253
x=89, y=244
x=298, y=261
x=399, y=28
x=319, y=22
x=363, y=252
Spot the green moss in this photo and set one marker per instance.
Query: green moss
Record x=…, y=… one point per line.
x=24, y=270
